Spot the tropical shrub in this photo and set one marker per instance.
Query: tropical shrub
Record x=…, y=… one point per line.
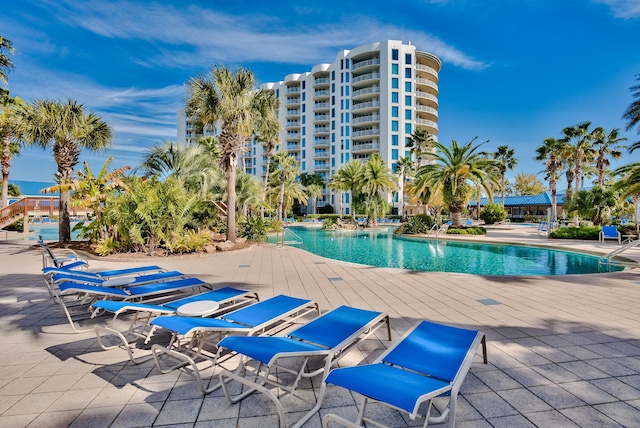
x=189, y=241
x=420, y=223
x=493, y=213
x=596, y=204
x=471, y=230
x=586, y=233
x=254, y=229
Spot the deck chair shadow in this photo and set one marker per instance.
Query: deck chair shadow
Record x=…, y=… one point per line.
x=224, y=300
x=193, y=338
x=610, y=232
x=428, y=361
x=329, y=338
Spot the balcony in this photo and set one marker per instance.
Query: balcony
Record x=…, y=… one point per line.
x=293, y=146
x=426, y=96
x=293, y=124
x=321, y=93
x=365, y=92
x=321, y=130
x=425, y=69
x=292, y=112
x=321, y=118
x=320, y=142
x=367, y=147
x=367, y=105
x=427, y=111
x=366, y=78
x=430, y=125
x=321, y=81
x=293, y=135
x=291, y=101
x=365, y=119
x=365, y=133
x=366, y=65
x=321, y=165
x=321, y=106
x=321, y=154
x=293, y=89
x=427, y=84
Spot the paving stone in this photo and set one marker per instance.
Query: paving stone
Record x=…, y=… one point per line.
x=180, y=411
x=583, y=370
x=556, y=397
x=517, y=421
x=589, y=417
x=58, y=419
x=588, y=392
x=527, y=377
x=612, y=368
x=551, y=418
x=524, y=401
x=555, y=373
x=137, y=415
x=96, y=417
x=490, y=404
x=617, y=388
x=497, y=380
x=622, y=413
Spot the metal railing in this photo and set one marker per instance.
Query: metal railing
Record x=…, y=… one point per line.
x=608, y=259
x=281, y=238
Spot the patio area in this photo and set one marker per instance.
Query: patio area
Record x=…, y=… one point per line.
x=563, y=351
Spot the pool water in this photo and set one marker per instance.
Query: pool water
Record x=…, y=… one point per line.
x=49, y=232
x=383, y=249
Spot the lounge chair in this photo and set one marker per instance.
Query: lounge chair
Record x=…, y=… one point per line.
x=226, y=299
x=610, y=232
x=76, y=298
x=119, y=281
x=330, y=337
x=104, y=274
x=428, y=361
x=61, y=257
x=265, y=317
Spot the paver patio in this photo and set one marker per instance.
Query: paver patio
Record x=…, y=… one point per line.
x=563, y=351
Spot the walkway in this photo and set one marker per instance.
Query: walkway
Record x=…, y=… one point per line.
x=563, y=351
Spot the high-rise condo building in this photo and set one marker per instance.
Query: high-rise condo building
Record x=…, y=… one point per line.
x=368, y=100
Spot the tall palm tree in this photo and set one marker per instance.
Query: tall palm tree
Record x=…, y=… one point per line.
x=268, y=132
x=632, y=114
x=550, y=152
x=376, y=179
x=284, y=169
x=506, y=161
x=314, y=184
x=6, y=47
x=455, y=170
x=336, y=185
x=349, y=180
x=66, y=127
x=606, y=145
x=420, y=143
x=231, y=99
x=249, y=192
x=580, y=138
x=404, y=168
x=11, y=109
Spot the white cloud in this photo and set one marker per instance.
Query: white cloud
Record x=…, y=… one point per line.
x=625, y=9
x=207, y=36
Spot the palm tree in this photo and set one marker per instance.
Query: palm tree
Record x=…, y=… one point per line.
x=11, y=109
x=606, y=145
x=376, y=179
x=65, y=126
x=268, y=132
x=404, y=169
x=249, y=192
x=92, y=191
x=6, y=47
x=336, y=185
x=349, y=180
x=632, y=114
x=314, y=184
x=191, y=165
x=455, y=170
x=420, y=143
x=582, y=148
x=231, y=99
x=550, y=152
x=284, y=170
x=506, y=161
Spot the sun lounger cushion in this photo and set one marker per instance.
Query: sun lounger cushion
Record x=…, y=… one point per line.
x=131, y=292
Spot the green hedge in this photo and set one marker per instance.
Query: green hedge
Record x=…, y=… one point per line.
x=586, y=233
x=471, y=230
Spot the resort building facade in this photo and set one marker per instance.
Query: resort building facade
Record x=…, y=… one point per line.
x=370, y=99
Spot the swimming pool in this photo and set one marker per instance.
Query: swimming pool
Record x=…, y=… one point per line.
x=382, y=249
x=48, y=232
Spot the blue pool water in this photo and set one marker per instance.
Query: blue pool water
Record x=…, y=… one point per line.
x=383, y=249
x=48, y=232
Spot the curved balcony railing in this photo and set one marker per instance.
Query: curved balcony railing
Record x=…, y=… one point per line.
x=366, y=63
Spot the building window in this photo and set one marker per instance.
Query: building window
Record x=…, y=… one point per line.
x=407, y=73
x=341, y=91
x=394, y=168
x=304, y=142
x=347, y=78
x=303, y=84
x=304, y=154
x=394, y=97
x=333, y=87
x=346, y=116
x=346, y=92
x=347, y=157
x=346, y=63
x=407, y=128
x=346, y=142
x=394, y=54
x=407, y=100
x=394, y=68
x=341, y=104
x=407, y=114
x=304, y=165
x=346, y=104
x=304, y=96
x=341, y=64
x=407, y=58
x=346, y=198
x=341, y=77
x=348, y=128
x=394, y=140
x=407, y=153
x=333, y=100
x=394, y=125
x=407, y=86
x=333, y=75
x=333, y=150
x=394, y=83
x=341, y=157
x=304, y=130
x=394, y=111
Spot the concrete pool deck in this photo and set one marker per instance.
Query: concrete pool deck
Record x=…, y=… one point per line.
x=563, y=351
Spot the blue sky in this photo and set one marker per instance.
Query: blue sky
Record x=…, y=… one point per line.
x=514, y=71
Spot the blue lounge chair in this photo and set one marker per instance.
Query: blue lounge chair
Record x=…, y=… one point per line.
x=610, y=232
x=120, y=281
x=264, y=317
x=428, y=361
x=330, y=336
x=105, y=274
x=61, y=257
x=226, y=298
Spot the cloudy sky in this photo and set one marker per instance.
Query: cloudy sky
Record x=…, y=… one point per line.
x=514, y=71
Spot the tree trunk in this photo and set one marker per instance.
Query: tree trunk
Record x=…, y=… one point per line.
x=456, y=218
x=401, y=200
x=231, y=198
x=6, y=156
x=281, y=201
x=503, y=190
x=554, y=208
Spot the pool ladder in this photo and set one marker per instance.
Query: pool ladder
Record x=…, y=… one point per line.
x=294, y=239
x=439, y=229
x=608, y=259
